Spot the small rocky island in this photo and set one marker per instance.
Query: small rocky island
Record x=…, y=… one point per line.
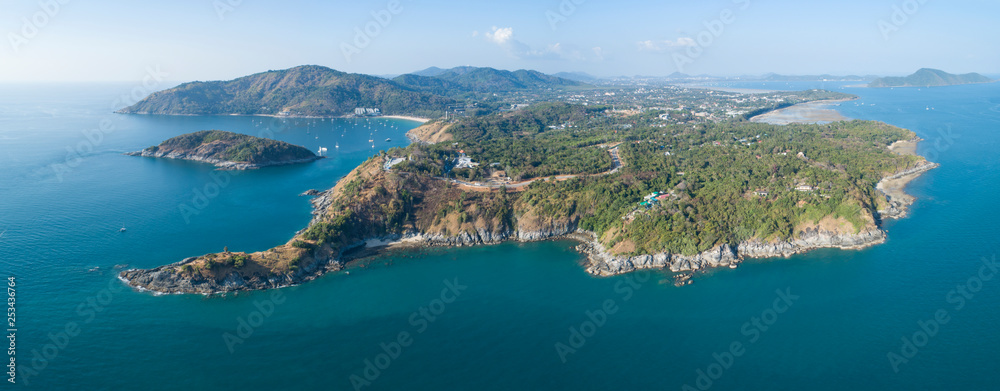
x=230, y=151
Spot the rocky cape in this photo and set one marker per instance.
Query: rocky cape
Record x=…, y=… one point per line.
x=600, y=261
x=525, y=227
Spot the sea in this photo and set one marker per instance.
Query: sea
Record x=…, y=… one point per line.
x=918, y=312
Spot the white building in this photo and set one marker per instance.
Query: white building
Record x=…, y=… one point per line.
x=464, y=161
x=366, y=111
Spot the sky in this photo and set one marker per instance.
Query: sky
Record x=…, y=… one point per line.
x=186, y=40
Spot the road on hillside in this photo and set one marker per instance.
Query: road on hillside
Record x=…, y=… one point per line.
x=616, y=163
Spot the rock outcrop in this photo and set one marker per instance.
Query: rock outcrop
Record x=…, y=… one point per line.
x=603, y=263
x=222, y=164
x=898, y=202
x=166, y=279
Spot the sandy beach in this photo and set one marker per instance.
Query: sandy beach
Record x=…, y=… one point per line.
x=803, y=113
x=905, y=147
x=725, y=89
x=408, y=118
x=403, y=117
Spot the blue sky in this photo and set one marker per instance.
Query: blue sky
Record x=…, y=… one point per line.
x=115, y=40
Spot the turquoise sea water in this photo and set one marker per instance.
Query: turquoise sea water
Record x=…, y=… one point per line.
x=506, y=312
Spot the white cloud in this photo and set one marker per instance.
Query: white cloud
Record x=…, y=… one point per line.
x=656, y=46
x=648, y=45
x=599, y=53
x=504, y=37
x=500, y=36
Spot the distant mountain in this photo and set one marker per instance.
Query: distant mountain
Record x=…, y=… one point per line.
x=460, y=70
x=430, y=72
x=473, y=79
x=927, y=77
x=576, y=76
x=430, y=84
x=678, y=75
x=308, y=90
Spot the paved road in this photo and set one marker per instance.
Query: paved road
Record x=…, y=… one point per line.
x=616, y=163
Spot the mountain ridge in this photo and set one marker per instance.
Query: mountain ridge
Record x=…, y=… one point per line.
x=480, y=79
x=928, y=77
x=313, y=90
x=307, y=90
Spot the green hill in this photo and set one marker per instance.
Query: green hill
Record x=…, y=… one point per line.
x=305, y=90
x=472, y=79
x=430, y=85
x=927, y=77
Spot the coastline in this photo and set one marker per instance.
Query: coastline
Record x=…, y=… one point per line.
x=893, y=186
x=819, y=111
x=407, y=117
x=699, y=86
x=403, y=117
x=600, y=262
x=221, y=164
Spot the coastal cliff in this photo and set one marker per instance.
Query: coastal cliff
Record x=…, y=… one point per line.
x=601, y=262
x=604, y=263
x=527, y=227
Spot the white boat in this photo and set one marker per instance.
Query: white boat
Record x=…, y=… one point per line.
x=122, y=229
